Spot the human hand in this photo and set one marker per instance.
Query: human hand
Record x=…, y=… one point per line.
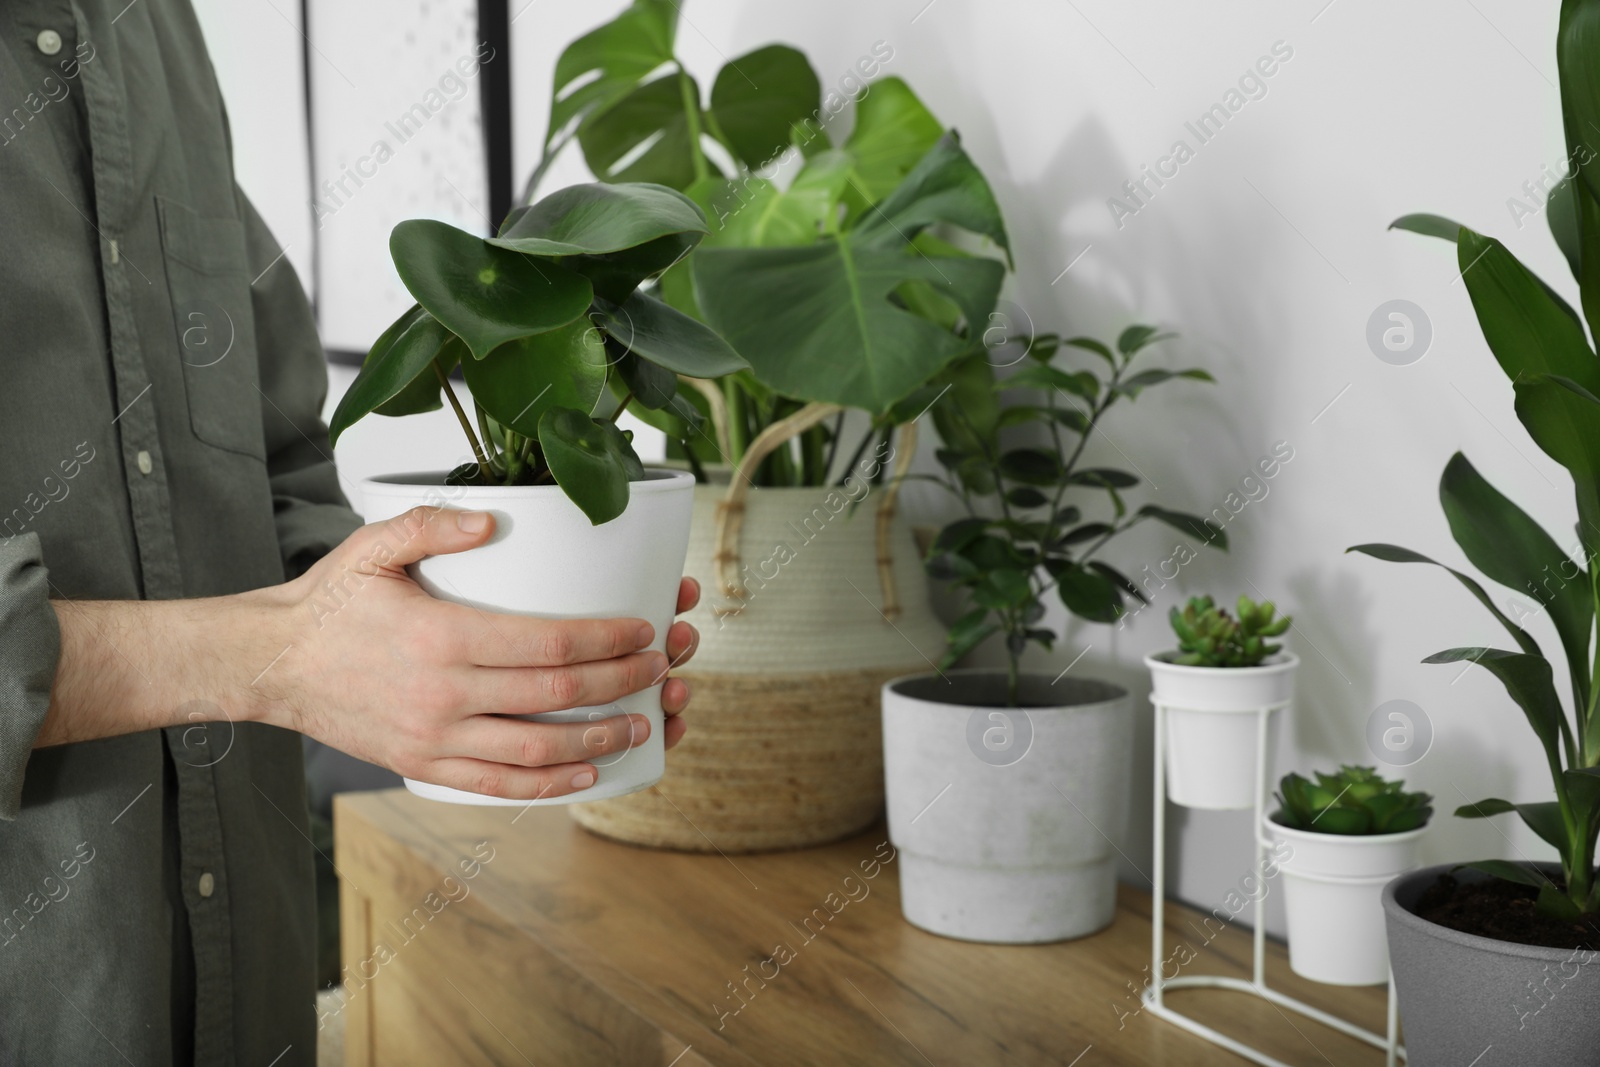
x=374, y=666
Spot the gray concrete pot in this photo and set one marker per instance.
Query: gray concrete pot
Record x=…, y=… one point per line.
x=1474, y=1000
x=1004, y=818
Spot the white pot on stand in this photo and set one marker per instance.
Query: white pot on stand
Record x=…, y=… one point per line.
x=1333, y=896
x=1003, y=818
x=1212, y=726
x=546, y=559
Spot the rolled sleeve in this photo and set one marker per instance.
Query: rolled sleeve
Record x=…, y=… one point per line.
x=30, y=646
x=310, y=509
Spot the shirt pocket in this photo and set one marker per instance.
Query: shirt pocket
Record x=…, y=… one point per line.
x=209, y=283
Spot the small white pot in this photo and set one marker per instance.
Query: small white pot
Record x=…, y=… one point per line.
x=546, y=559
x=1003, y=818
x=1333, y=894
x=1212, y=726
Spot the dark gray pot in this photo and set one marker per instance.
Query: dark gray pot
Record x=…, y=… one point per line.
x=1473, y=1000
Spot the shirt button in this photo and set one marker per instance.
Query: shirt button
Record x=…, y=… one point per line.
x=145, y=467
x=49, y=42
x=208, y=884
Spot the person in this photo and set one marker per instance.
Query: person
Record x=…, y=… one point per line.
x=169, y=516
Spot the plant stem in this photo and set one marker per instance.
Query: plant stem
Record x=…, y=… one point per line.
x=461, y=416
x=738, y=428
x=833, y=448
x=691, y=114
x=617, y=414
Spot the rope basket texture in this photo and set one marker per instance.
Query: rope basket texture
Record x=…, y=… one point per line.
x=808, y=607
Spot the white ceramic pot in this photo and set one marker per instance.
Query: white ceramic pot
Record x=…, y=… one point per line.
x=1333, y=895
x=1212, y=725
x=1004, y=818
x=546, y=559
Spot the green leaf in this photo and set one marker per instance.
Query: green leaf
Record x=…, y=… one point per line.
x=603, y=66
x=424, y=393
x=1429, y=226
x=1080, y=383
x=893, y=130
x=484, y=295
x=1026, y=497
x=944, y=187
x=645, y=136
x=1577, y=45
x=1088, y=594
x=1087, y=532
x=759, y=96
x=653, y=387
x=1103, y=478
x=1530, y=329
x=1134, y=338
x=1561, y=212
x=967, y=412
x=522, y=379
x=1003, y=589
x=401, y=355
x=1193, y=525
x=1396, y=554
x=969, y=631
x=1089, y=344
x=1031, y=466
x=1131, y=387
x=589, y=459
x=959, y=534
x=1510, y=548
x=1543, y=819
x=1527, y=681
x=1120, y=580
x=667, y=337
x=1508, y=871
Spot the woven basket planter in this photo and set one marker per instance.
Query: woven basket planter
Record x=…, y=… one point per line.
x=810, y=608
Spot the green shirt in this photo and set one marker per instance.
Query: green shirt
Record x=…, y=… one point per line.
x=160, y=389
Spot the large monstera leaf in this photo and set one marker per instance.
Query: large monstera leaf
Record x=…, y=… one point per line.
x=816, y=322
x=893, y=130
x=758, y=97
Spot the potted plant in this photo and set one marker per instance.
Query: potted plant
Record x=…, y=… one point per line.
x=544, y=320
x=1348, y=834
x=1214, y=685
x=833, y=266
x=1037, y=765
x=1500, y=953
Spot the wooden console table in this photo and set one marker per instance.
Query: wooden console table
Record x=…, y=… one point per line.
x=511, y=936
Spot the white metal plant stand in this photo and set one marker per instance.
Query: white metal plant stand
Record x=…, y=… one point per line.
x=1257, y=985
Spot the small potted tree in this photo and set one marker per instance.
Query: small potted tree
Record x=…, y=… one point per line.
x=1223, y=672
x=549, y=328
x=1348, y=834
x=1037, y=765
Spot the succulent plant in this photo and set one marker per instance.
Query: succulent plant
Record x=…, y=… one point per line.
x=1355, y=801
x=1209, y=637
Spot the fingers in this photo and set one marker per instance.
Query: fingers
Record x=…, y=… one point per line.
x=520, y=641
x=530, y=690
x=688, y=595
x=407, y=538
x=672, y=731
x=682, y=640
x=674, y=696
x=538, y=744
x=503, y=780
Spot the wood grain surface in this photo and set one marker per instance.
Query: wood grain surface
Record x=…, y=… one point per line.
x=511, y=936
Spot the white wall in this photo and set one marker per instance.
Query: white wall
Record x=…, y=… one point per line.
x=1268, y=252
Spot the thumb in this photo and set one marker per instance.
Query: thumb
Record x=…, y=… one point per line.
x=407, y=538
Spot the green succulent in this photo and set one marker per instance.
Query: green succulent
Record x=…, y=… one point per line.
x=1355, y=801
x=1209, y=637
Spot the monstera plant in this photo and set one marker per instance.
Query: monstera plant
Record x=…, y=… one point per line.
x=1540, y=343
x=541, y=319
x=822, y=267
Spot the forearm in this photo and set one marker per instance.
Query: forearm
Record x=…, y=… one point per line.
x=131, y=665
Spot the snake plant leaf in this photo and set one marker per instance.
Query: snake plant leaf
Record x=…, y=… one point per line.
x=1429, y=226
x=667, y=337
x=1396, y=554
x=1088, y=594
x=1543, y=818
x=1561, y=212
x=589, y=459
x=1528, y=681
x=483, y=294
x=1510, y=548
x=1566, y=427
x=603, y=66
x=522, y=379
x=1529, y=329
x=403, y=354
x=758, y=97
x=648, y=135
x=893, y=130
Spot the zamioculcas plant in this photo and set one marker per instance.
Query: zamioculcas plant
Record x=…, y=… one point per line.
x=1356, y=801
x=1022, y=538
x=823, y=266
x=549, y=328
x=1539, y=341
x=1209, y=637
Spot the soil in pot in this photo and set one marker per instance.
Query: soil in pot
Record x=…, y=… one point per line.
x=1504, y=911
